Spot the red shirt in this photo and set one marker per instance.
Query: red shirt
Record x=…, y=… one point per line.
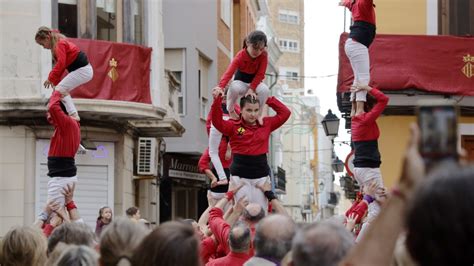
x=250, y=139
x=245, y=63
x=362, y=10
x=221, y=230
x=66, y=52
x=364, y=126
x=209, y=117
x=208, y=249
x=232, y=259
x=67, y=133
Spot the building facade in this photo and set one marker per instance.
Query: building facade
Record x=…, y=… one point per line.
x=109, y=174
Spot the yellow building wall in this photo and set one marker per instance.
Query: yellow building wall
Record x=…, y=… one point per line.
x=401, y=16
x=394, y=135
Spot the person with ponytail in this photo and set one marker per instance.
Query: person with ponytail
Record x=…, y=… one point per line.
x=66, y=56
x=249, y=66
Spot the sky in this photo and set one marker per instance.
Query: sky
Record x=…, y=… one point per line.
x=324, y=22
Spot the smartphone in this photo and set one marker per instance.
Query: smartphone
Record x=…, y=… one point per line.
x=438, y=122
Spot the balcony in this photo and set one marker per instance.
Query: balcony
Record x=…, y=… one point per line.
x=119, y=96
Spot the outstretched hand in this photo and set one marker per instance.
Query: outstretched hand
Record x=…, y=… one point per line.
x=267, y=186
x=217, y=91
x=68, y=192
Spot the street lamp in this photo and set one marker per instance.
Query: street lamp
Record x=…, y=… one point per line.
x=330, y=124
x=337, y=165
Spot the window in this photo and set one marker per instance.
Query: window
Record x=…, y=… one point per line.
x=67, y=18
x=106, y=20
x=288, y=16
x=175, y=62
x=455, y=17
x=225, y=11
x=289, y=45
x=203, y=83
x=289, y=73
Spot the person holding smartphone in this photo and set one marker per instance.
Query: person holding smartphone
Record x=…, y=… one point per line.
x=365, y=135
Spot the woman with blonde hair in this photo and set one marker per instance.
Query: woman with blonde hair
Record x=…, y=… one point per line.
x=67, y=56
x=23, y=245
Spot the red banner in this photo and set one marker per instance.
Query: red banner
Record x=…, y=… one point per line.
x=440, y=64
x=121, y=71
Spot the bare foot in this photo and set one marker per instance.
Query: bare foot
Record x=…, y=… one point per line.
x=260, y=120
x=233, y=115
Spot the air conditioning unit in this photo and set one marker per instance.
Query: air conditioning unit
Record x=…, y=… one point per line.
x=147, y=159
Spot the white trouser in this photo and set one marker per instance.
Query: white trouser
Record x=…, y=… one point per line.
x=364, y=177
x=56, y=186
x=71, y=81
x=215, y=137
x=249, y=190
x=238, y=89
x=358, y=55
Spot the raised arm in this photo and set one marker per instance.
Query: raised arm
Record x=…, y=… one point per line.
x=60, y=118
x=378, y=108
x=225, y=127
x=282, y=113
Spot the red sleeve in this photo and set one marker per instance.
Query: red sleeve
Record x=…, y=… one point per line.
x=378, y=108
x=358, y=208
x=208, y=248
x=347, y=3
x=282, y=113
x=57, y=114
x=260, y=72
x=219, y=227
x=225, y=127
x=47, y=230
x=230, y=70
x=204, y=161
x=60, y=51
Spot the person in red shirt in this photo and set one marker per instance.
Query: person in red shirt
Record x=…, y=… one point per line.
x=62, y=149
x=365, y=134
x=357, y=45
x=204, y=165
x=67, y=56
x=249, y=143
x=239, y=243
x=249, y=66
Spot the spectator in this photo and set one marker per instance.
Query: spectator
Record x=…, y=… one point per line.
x=104, y=219
x=323, y=243
x=71, y=233
x=272, y=240
x=133, y=213
x=78, y=256
x=119, y=241
x=440, y=230
x=171, y=243
x=23, y=245
x=251, y=214
x=239, y=242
